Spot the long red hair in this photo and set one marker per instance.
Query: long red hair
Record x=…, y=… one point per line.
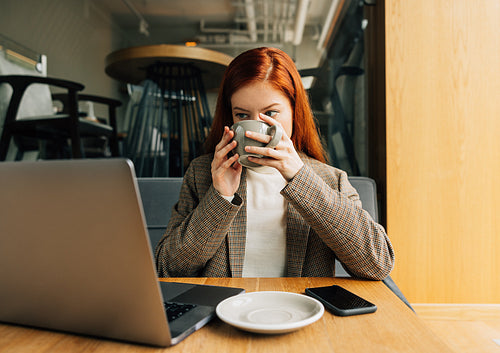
x=277, y=68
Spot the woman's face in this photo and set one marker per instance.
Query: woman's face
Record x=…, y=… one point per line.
x=261, y=97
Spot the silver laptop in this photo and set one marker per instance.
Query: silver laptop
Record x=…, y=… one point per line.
x=75, y=256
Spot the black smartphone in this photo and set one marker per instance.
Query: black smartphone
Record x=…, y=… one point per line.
x=340, y=301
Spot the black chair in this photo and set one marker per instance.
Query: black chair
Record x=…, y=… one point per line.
x=159, y=195
x=110, y=120
x=57, y=129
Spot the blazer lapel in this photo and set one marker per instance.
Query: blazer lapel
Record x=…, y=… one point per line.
x=297, y=234
x=237, y=234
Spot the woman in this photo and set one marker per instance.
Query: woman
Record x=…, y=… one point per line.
x=291, y=217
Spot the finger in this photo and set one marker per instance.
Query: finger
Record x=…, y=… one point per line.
x=268, y=119
x=258, y=136
x=231, y=161
x=226, y=137
x=238, y=168
x=221, y=156
x=225, y=145
x=260, y=161
x=264, y=151
x=228, y=148
x=273, y=121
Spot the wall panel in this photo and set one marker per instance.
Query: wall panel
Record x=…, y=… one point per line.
x=443, y=148
x=75, y=35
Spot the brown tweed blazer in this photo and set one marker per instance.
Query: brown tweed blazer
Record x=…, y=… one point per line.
x=206, y=233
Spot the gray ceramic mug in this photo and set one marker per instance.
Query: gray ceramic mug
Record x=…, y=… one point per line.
x=258, y=126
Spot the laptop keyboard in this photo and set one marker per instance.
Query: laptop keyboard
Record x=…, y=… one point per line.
x=176, y=310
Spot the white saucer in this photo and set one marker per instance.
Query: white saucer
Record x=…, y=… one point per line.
x=270, y=312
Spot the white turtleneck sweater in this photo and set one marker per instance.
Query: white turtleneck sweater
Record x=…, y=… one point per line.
x=265, y=248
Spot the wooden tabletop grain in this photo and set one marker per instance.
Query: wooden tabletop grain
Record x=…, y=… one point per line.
x=392, y=328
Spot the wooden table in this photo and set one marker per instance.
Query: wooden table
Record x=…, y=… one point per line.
x=174, y=108
x=392, y=328
x=129, y=65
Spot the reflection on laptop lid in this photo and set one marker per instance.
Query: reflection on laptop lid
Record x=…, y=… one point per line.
x=75, y=255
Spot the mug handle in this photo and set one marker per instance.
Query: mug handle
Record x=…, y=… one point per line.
x=276, y=131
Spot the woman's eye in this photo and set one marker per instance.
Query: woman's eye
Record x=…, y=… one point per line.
x=271, y=113
x=241, y=116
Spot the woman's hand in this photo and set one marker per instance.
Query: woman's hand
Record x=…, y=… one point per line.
x=226, y=171
x=283, y=157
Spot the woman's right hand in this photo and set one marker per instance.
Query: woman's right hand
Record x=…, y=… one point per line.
x=226, y=171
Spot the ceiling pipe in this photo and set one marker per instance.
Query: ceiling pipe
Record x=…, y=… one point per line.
x=251, y=22
x=143, y=25
x=328, y=24
x=266, y=20
x=276, y=13
x=300, y=21
x=281, y=29
x=283, y=20
x=224, y=30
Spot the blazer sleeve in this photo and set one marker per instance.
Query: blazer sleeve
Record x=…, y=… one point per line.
x=198, y=225
x=332, y=208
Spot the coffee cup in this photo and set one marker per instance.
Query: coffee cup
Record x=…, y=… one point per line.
x=258, y=126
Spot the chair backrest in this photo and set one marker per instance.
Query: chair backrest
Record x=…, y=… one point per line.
x=36, y=100
x=367, y=190
x=86, y=105
x=159, y=195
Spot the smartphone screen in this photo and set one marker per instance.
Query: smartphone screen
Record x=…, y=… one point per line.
x=341, y=301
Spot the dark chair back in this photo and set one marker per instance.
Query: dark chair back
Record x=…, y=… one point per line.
x=111, y=104
x=367, y=190
x=159, y=195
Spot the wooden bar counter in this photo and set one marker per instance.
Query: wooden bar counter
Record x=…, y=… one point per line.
x=392, y=328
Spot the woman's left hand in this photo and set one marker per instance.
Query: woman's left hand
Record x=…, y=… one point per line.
x=283, y=157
